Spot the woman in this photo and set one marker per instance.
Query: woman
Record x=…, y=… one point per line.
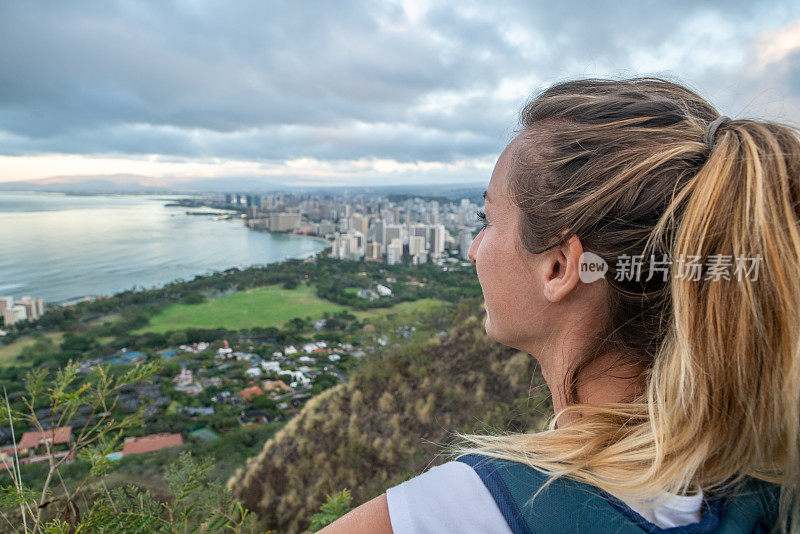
x=675, y=373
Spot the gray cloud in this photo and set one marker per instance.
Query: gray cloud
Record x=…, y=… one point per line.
x=341, y=80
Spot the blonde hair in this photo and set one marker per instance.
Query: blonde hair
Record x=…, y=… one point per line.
x=622, y=164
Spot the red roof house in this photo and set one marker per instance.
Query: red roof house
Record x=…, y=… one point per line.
x=151, y=443
x=31, y=441
x=249, y=393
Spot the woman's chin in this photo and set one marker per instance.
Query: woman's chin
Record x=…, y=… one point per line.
x=488, y=326
x=499, y=336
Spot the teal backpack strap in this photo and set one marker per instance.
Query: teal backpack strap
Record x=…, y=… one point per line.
x=754, y=508
x=565, y=506
x=569, y=506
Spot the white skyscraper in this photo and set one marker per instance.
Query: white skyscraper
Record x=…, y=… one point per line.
x=34, y=307
x=349, y=246
x=14, y=314
x=464, y=242
x=394, y=252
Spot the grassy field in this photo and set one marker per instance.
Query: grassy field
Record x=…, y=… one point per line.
x=9, y=353
x=263, y=306
x=400, y=309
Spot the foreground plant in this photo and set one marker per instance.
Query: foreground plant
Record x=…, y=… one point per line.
x=194, y=503
x=335, y=506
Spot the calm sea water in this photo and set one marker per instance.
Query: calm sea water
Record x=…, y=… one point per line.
x=60, y=247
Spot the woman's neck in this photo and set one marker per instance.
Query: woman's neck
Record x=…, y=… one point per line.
x=610, y=378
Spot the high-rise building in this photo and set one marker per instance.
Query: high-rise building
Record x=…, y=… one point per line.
x=394, y=252
x=395, y=231
x=34, y=307
x=436, y=235
x=349, y=246
x=267, y=202
x=326, y=227
x=373, y=252
x=14, y=315
x=417, y=230
x=416, y=244
x=284, y=221
x=359, y=223
x=6, y=303
x=465, y=241
x=380, y=232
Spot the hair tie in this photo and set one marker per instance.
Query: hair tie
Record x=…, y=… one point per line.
x=711, y=130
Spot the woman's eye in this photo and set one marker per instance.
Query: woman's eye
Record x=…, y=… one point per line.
x=481, y=215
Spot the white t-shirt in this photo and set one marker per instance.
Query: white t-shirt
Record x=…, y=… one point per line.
x=453, y=498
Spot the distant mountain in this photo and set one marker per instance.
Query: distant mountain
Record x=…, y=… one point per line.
x=386, y=425
x=113, y=183
x=132, y=183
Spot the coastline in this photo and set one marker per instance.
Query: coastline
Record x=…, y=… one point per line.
x=128, y=248
x=83, y=298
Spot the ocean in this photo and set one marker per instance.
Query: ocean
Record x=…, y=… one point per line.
x=60, y=247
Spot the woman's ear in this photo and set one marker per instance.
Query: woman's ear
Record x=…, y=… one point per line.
x=562, y=269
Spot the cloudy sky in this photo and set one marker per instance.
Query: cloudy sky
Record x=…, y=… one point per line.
x=327, y=93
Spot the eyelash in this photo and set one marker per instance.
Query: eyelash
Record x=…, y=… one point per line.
x=482, y=218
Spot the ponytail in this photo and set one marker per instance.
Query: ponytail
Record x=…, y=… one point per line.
x=731, y=376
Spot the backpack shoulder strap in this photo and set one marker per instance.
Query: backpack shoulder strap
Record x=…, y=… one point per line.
x=565, y=506
x=568, y=506
x=753, y=508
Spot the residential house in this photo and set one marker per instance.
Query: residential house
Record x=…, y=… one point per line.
x=275, y=386
x=253, y=372
x=249, y=393
x=185, y=383
x=297, y=378
x=32, y=443
x=271, y=367
x=151, y=443
x=184, y=378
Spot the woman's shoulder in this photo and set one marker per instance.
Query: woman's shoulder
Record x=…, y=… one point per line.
x=450, y=497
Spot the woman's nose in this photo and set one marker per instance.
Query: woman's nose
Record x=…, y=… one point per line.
x=473, y=248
